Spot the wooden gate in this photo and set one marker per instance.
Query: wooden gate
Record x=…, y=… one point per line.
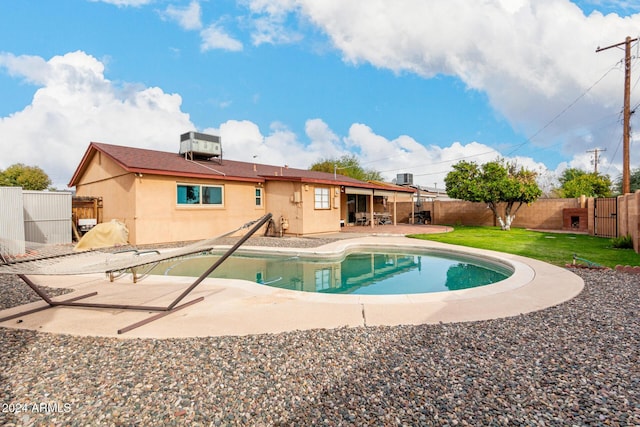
x=605, y=217
x=85, y=210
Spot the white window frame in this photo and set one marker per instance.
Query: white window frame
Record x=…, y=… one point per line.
x=201, y=188
x=323, y=279
x=322, y=198
x=259, y=196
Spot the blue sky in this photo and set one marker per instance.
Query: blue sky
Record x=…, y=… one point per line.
x=411, y=86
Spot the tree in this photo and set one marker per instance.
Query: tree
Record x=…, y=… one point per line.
x=570, y=174
x=494, y=183
x=634, y=180
x=347, y=165
x=576, y=182
x=27, y=177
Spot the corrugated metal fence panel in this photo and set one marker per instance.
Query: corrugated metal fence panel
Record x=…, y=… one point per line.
x=47, y=217
x=11, y=221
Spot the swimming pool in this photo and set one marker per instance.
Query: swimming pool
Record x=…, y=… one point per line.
x=363, y=272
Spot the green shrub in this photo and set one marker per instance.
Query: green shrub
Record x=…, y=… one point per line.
x=622, y=242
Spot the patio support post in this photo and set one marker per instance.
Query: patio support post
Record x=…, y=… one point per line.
x=395, y=212
x=371, y=209
x=413, y=210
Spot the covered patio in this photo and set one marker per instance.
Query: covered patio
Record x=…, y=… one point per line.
x=373, y=207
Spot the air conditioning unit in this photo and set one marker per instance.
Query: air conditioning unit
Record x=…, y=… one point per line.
x=404, y=179
x=198, y=144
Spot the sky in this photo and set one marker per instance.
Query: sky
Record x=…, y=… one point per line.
x=407, y=86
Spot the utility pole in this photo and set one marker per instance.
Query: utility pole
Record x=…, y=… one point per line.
x=595, y=152
x=626, y=181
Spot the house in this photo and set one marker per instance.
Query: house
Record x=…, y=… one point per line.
x=168, y=197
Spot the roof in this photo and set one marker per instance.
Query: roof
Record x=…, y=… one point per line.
x=144, y=161
x=391, y=186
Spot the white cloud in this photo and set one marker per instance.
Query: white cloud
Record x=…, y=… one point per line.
x=494, y=46
x=214, y=37
x=76, y=105
x=533, y=58
x=272, y=7
x=124, y=3
x=270, y=21
x=273, y=31
x=244, y=141
x=241, y=140
x=324, y=141
x=428, y=164
x=33, y=69
x=189, y=18
x=585, y=161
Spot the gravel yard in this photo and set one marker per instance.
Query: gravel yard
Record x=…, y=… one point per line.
x=573, y=364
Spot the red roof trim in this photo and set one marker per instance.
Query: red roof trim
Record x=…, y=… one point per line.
x=138, y=160
x=193, y=175
x=82, y=165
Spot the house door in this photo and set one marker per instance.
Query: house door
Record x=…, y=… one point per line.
x=356, y=203
x=605, y=217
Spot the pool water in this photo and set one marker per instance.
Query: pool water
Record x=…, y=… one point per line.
x=364, y=273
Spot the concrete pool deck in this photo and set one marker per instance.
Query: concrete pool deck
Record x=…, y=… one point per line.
x=237, y=307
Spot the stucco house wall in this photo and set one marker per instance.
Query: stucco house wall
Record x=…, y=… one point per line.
x=149, y=209
x=147, y=204
x=140, y=188
x=280, y=202
x=323, y=220
x=116, y=187
x=159, y=218
x=295, y=202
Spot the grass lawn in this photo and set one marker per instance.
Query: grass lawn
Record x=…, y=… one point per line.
x=554, y=248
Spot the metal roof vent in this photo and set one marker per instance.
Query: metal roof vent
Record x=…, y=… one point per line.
x=200, y=145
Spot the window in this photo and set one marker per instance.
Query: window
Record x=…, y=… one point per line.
x=258, y=196
x=323, y=279
x=322, y=198
x=200, y=194
x=211, y=195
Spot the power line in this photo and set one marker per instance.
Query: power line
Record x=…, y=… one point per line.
x=557, y=116
x=614, y=155
x=440, y=162
x=516, y=146
x=596, y=152
x=626, y=182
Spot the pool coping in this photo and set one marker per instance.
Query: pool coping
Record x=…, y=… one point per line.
x=521, y=272
x=238, y=307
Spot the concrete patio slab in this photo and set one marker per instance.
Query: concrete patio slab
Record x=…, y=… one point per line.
x=236, y=307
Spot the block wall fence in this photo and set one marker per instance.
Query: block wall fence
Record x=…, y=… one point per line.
x=543, y=214
x=629, y=217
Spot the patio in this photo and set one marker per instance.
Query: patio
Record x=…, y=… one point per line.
x=236, y=307
x=571, y=364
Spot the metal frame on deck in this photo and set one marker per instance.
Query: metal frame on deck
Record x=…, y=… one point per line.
x=163, y=311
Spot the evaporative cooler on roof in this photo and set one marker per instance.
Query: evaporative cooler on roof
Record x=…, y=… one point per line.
x=404, y=179
x=200, y=145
